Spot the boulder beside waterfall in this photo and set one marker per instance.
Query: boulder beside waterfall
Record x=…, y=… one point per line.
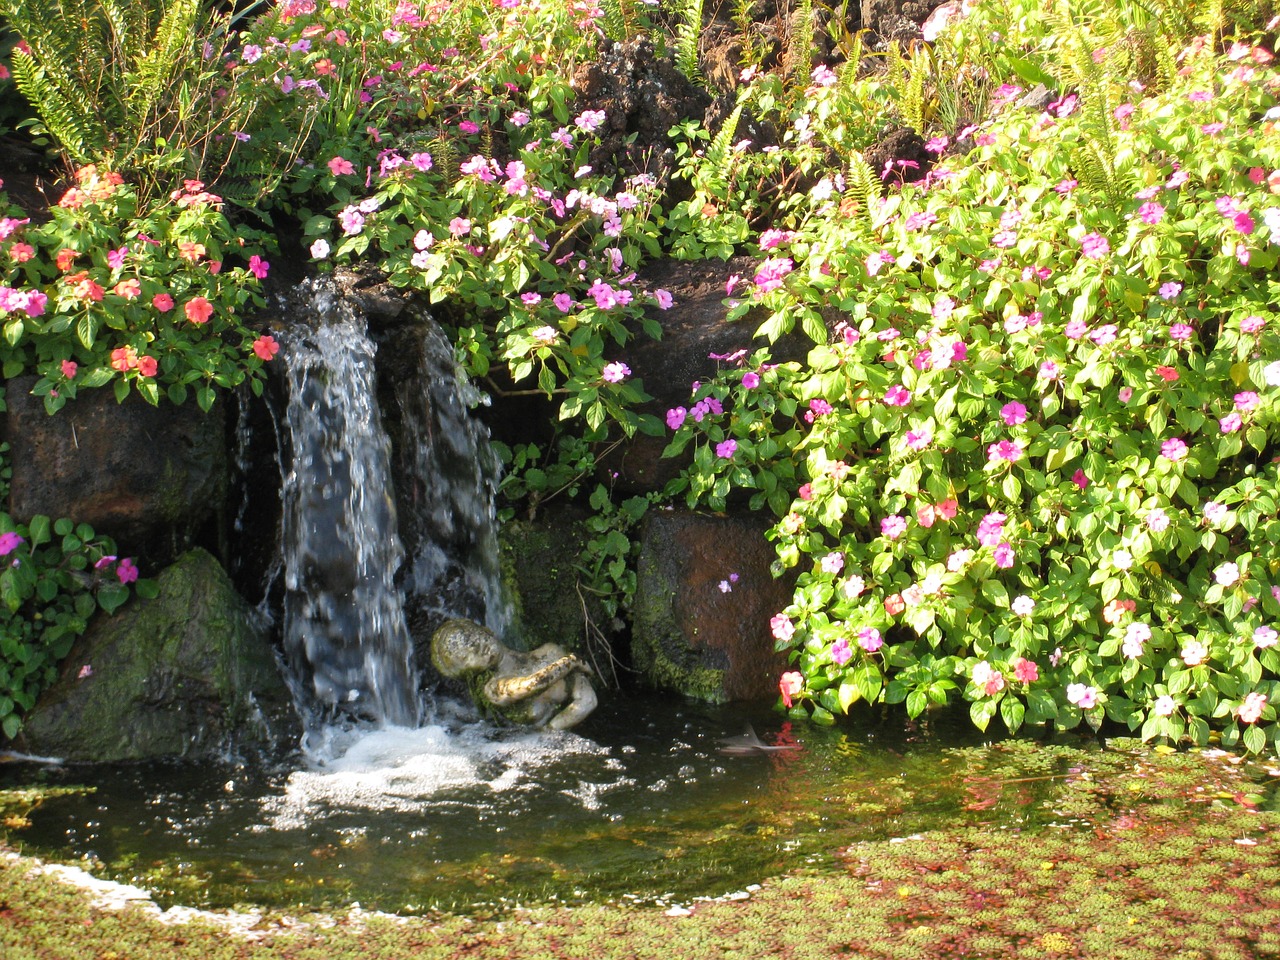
x=704, y=597
x=190, y=675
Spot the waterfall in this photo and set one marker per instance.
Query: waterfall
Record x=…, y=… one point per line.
x=345, y=637
x=373, y=564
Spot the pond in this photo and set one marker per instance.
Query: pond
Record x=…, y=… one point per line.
x=646, y=803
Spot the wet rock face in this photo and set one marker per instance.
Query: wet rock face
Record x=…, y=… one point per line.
x=691, y=635
x=139, y=473
x=642, y=95
x=187, y=675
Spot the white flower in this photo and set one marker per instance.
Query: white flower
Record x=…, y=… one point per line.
x=320, y=249
x=1271, y=373
x=1226, y=574
x=1122, y=559
x=1022, y=605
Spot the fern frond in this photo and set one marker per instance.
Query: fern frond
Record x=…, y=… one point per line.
x=688, y=34
x=720, y=148
x=800, y=43
x=863, y=184
x=64, y=117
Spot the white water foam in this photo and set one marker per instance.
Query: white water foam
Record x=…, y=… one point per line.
x=403, y=769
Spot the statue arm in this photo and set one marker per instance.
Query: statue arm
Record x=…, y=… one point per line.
x=581, y=702
x=505, y=691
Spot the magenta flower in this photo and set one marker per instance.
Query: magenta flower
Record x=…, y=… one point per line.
x=1173, y=449
x=1230, y=423
x=1079, y=479
x=1009, y=450
x=918, y=440
x=615, y=372
x=841, y=652
x=9, y=543
x=1004, y=555
x=725, y=449
x=869, y=639
x=259, y=267
x=1013, y=413
x=1247, y=400
x=893, y=526
x=751, y=380
x=589, y=121
x=1243, y=222
x=1252, y=324
x=897, y=396
x=989, y=528
x=1095, y=246
x=770, y=273
x=126, y=572
x=1170, y=290
x=1151, y=213
x=1180, y=331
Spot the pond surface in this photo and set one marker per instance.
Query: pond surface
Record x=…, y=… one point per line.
x=641, y=804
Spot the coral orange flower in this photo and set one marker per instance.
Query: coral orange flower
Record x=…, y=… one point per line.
x=124, y=358
x=199, y=310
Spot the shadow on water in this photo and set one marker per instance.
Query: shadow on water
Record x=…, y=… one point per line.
x=642, y=803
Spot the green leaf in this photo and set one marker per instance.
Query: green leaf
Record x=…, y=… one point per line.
x=11, y=725
x=1255, y=741
x=1011, y=712
x=39, y=529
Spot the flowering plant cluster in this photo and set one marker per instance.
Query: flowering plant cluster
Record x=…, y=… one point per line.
x=1031, y=456
x=100, y=294
x=53, y=576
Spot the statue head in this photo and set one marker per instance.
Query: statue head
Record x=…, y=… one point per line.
x=460, y=648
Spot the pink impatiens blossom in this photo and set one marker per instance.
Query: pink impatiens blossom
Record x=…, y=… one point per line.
x=841, y=652
x=1024, y=670
x=676, y=416
x=789, y=686
x=1007, y=450
x=1251, y=710
x=1194, y=653
x=726, y=448
x=897, y=396
x=615, y=372
x=1083, y=696
x=1264, y=637
x=1004, y=555
x=869, y=639
x=1013, y=413
x=987, y=678
x=781, y=627
x=893, y=526
x=1095, y=246
x=1173, y=449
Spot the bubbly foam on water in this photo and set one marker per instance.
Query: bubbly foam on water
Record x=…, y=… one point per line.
x=403, y=769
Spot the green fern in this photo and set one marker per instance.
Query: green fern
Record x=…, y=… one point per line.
x=800, y=43
x=863, y=185
x=688, y=35
x=720, y=149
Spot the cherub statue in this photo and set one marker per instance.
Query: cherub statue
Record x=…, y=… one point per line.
x=544, y=687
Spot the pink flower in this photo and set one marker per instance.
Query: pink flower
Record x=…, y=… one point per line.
x=751, y=380
x=897, y=396
x=9, y=542
x=265, y=347
x=1004, y=555
x=469, y=126
x=1230, y=423
x=1170, y=290
x=1095, y=246
x=1264, y=637
x=675, y=417
x=1252, y=324
x=1251, y=710
x=893, y=526
x=69, y=369
x=1173, y=449
x=833, y=562
x=987, y=678
x=615, y=372
x=1024, y=670
x=1009, y=450
x=770, y=273
x=1247, y=400
x=1151, y=213
x=1079, y=479
x=841, y=652
x=1082, y=696
x=126, y=572
x=918, y=440
x=339, y=166
x=259, y=267
x=725, y=449
x=894, y=604
x=870, y=640
x=1013, y=413
x=781, y=627
x=147, y=366
x=790, y=686
x=1180, y=331
x=1050, y=371
x=1167, y=374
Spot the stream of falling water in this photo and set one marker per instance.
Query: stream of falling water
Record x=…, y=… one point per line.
x=345, y=638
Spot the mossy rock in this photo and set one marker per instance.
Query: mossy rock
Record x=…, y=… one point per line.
x=541, y=581
x=189, y=674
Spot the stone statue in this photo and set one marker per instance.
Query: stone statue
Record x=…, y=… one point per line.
x=544, y=687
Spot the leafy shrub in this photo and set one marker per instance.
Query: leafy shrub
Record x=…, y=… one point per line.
x=103, y=294
x=1034, y=440
x=55, y=575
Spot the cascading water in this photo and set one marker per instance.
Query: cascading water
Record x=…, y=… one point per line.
x=354, y=564
x=345, y=637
